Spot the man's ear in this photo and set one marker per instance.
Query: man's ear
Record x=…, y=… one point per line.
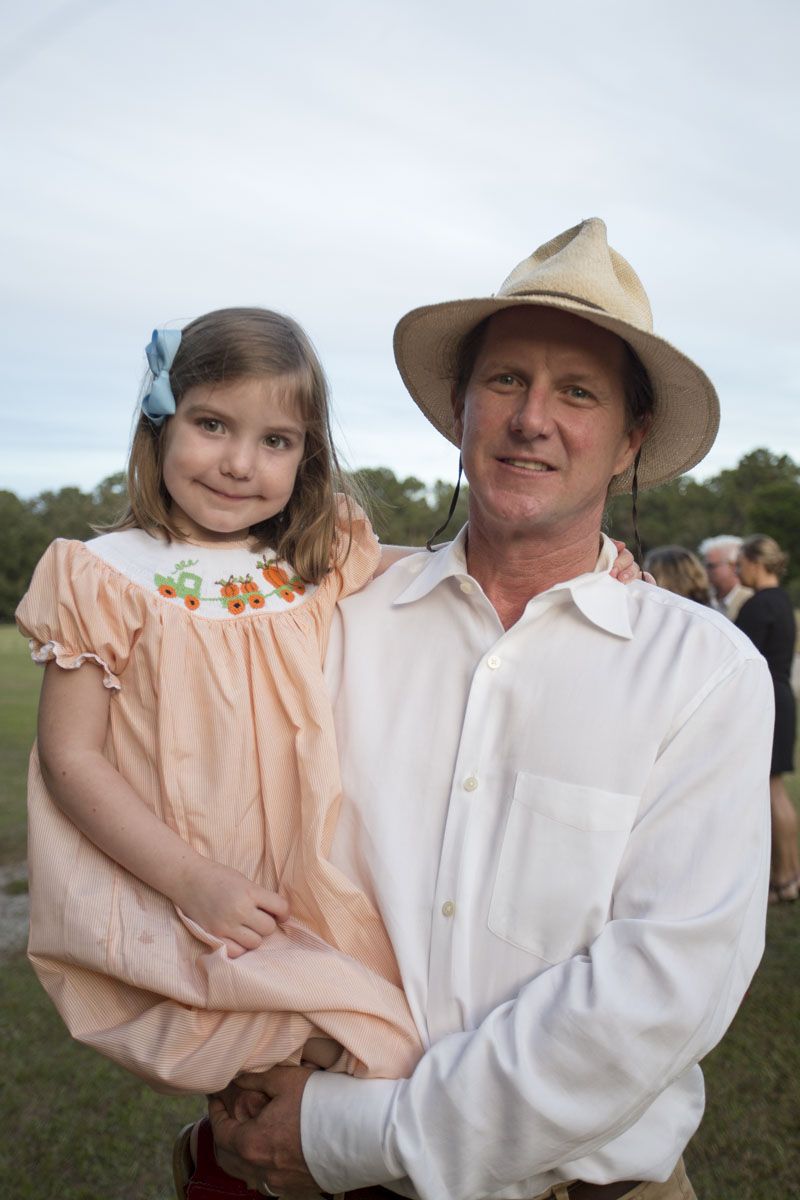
x=457, y=403
x=634, y=440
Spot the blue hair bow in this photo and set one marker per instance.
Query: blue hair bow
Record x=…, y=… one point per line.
x=161, y=350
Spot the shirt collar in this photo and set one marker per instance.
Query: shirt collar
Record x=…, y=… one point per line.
x=599, y=598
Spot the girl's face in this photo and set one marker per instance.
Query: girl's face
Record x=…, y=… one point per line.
x=231, y=456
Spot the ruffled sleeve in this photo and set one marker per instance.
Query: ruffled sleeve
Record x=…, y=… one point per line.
x=358, y=552
x=77, y=610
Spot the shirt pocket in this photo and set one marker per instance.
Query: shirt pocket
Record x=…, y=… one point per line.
x=561, y=850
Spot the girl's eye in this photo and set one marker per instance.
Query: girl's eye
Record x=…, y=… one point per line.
x=210, y=424
x=276, y=441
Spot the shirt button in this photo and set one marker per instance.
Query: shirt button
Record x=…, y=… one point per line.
x=466, y=586
x=470, y=783
x=493, y=662
x=448, y=908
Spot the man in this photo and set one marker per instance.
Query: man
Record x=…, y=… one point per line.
x=544, y=786
x=719, y=555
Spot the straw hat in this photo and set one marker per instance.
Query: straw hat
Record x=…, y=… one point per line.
x=579, y=273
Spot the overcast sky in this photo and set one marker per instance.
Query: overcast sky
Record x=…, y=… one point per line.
x=346, y=161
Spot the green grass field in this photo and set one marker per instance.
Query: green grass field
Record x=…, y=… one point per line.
x=78, y=1128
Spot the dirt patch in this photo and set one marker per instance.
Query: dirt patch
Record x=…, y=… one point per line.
x=13, y=908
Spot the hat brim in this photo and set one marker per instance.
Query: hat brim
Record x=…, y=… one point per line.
x=686, y=411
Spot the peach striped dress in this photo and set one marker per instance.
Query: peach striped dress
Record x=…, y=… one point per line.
x=219, y=719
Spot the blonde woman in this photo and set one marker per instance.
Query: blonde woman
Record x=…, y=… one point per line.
x=679, y=571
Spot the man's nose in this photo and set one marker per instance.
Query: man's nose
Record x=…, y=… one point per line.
x=533, y=413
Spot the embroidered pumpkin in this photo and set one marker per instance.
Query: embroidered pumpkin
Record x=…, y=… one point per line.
x=228, y=587
x=248, y=584
x=275, y=575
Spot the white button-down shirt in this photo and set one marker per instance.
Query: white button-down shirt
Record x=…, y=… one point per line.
x=565, y=826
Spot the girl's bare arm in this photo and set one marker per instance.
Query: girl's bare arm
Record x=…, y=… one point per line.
x=73, y=724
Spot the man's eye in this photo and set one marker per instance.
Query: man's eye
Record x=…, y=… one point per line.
x=506, y=379
x=579, y=393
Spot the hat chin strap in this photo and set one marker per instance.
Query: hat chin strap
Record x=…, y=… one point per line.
x=452, y=509
x=635, y=507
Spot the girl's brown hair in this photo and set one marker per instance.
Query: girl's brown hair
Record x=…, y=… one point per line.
x=225, y=346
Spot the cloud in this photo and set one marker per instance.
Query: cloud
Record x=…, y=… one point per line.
x=347, y=162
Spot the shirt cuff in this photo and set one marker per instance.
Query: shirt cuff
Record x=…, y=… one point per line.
x=342, y=1124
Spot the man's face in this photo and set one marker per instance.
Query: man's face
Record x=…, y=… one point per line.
x=721, y=570
x=542, y=427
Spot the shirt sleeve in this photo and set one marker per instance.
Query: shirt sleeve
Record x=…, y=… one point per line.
x=358, y=552
x=78, y=610
x=587, y=1046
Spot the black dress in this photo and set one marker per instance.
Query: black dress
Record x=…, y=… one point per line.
x=768, y=620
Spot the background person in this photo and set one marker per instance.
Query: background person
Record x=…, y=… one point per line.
x=768, y=620
x=678, y=570
x=719, y=555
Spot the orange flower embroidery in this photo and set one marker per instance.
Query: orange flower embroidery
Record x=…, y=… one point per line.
x=236, y=606
x=191, y=602
x=256, y=601
x=167, y=590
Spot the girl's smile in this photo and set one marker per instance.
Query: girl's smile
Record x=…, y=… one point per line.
x=232, y=452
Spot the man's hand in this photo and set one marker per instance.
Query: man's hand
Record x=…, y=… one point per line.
x=223, y=901
x=266, y=1148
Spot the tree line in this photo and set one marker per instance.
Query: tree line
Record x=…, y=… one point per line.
x=760, y=495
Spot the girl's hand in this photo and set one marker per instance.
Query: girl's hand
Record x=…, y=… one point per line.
x=224, y=902
x=626, y=569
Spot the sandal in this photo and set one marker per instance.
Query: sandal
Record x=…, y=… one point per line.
x=783, y=893
x=182, y=1161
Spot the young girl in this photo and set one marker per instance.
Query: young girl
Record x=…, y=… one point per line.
x=185, y=787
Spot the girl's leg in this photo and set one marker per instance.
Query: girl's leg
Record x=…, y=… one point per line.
x=785, y=883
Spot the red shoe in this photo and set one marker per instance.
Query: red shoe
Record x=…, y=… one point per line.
x=204, y=1179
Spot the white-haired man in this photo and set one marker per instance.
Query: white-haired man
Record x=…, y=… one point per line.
x=544, y=790
x=719, y=555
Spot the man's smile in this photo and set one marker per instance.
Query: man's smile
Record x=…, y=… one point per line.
x=526, y=464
